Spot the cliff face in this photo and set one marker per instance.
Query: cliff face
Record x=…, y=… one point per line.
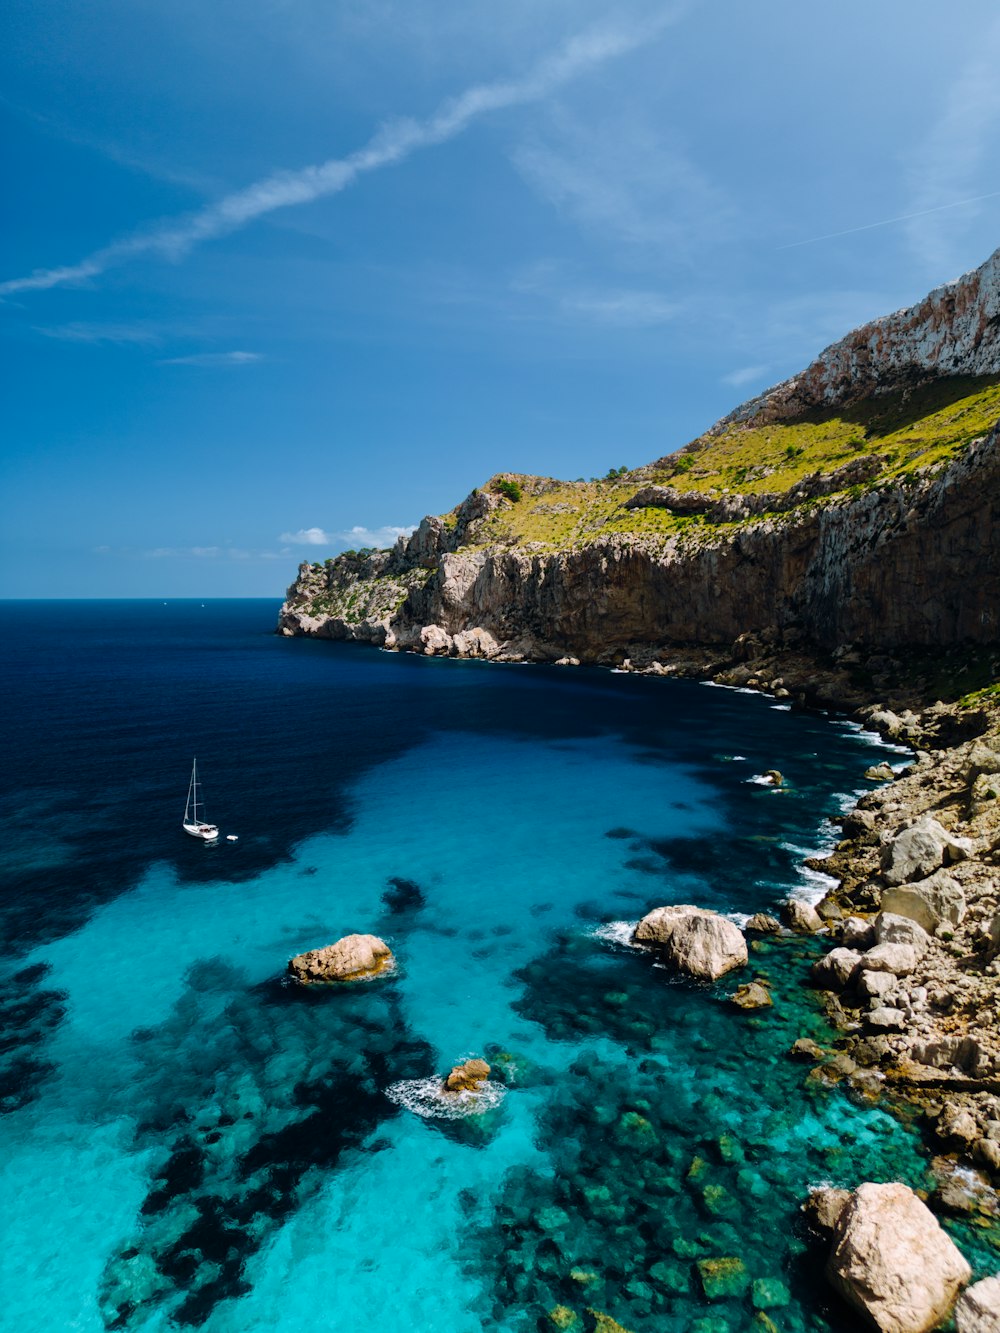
x=884, y=550
x=954, y=330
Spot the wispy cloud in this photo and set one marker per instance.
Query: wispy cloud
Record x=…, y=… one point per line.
x=745, y=375
x=213, y=359
x=627, y=181
x=389, y=145
x=227, y=552
x=959, y=153
x=101, y=333
x=580, y=303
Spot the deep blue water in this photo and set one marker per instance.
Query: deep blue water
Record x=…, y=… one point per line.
x=189, y=1142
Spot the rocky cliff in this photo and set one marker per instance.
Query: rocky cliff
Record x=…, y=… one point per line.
x=855, y=503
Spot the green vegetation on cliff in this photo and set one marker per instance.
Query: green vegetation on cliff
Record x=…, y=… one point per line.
x=897, y=435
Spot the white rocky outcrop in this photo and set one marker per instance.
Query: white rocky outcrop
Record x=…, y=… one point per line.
x=352, y=958
x=892, y=1261
x=694, y=940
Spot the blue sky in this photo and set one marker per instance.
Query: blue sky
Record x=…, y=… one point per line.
x=282, y=276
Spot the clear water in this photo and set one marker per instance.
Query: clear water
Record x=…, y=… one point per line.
x=190, y=1142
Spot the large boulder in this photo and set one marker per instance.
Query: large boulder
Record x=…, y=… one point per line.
x=893, y=1263
x=978, y=1309
x=893, y=929
x=801, y=917
x=694, y=940
x=921, y=849
x=899, y=959
x=353, y=958
x=930, y=902
x=834, y=970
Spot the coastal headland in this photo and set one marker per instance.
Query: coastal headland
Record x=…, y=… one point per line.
x=832, y=542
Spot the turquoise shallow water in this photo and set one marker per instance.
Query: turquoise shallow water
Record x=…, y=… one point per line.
x=191, y=1142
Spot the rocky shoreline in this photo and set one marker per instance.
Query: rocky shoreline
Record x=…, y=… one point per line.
x=923, y=846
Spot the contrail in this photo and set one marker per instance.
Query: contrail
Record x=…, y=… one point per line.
x=389, y=145
x=888, y=222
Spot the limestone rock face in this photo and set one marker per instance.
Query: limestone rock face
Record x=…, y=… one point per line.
x=467, y=1077
x=353, y=958
x=893, y=1263
x=696, y=941
x=954, y=330
x=978, y=1309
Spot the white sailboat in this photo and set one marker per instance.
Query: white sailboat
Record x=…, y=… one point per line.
x=197, y=827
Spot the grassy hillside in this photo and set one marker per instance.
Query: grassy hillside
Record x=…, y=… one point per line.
x=908, y=430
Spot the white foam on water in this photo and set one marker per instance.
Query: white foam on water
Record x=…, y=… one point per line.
x=762, y=780
x=427, y=1098
x=720, y=685
x=782, y=708
x=738, y=918
x=813, y=886
x=617, y=932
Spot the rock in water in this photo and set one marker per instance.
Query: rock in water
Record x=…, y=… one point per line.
x=696, y=941
x=978, y=1311
x=762, y=924
x=801, y=917
x=892, y=1262
x=752, y=996
x=353, y=958
x=467, y=1077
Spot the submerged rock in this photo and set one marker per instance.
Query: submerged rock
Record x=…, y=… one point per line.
x=694, y=940
x=752, y=996
x=467, y=1077
x=892, y=1262
x=353, y=958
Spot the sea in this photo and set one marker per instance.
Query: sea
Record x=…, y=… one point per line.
x=190, y=1141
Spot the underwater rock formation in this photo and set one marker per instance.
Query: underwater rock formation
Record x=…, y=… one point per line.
x=353, y=958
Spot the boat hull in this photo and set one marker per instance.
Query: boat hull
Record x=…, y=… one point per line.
x=206, y=832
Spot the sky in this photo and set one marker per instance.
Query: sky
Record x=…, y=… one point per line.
x=280, y=277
